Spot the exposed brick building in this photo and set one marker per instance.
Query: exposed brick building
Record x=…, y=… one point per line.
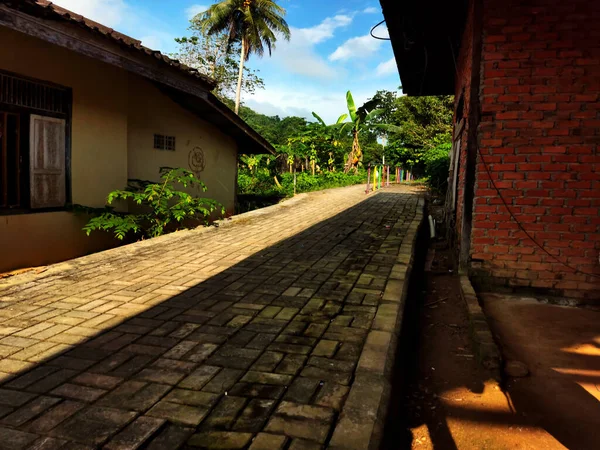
x=526, y=80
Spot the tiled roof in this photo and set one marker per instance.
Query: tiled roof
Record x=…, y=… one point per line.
x=206, y=106
x=48, y=10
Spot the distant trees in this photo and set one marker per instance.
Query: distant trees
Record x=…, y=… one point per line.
x=420, y=124
x=274, y=129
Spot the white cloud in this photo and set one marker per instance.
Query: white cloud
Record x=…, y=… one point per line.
x=299, y=56
x=387, y=68
x=294, y=101
x=300, y=100
x=356, y=47
x=120, y=15
x=107, y=12
x=371, y=10
x=157, y=40
x=304, y=61
x=194, y=10
x=322, y=31
x=299, y=80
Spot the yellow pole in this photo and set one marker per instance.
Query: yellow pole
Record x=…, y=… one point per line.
x=375, y=179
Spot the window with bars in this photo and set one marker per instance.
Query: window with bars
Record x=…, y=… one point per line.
x=34, y=117
x=25, y=93
x=162, y=142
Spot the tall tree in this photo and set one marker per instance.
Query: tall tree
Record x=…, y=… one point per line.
x=420, y=122
x=387, y=102
x=215, y=56
x=253, y=23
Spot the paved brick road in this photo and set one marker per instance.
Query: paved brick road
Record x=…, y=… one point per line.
x=244, y=336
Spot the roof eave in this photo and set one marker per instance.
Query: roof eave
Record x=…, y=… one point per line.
x=101, y=44
x=426, y=38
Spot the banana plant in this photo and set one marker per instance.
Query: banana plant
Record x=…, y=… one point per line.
x=313, y=157
x=360, y=119
x=313, y=142
x=340, y=120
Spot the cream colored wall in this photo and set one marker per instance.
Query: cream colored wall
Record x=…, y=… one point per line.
x=114, y=118
x=29, y=240
x=99, y=122
x=152, y=112
x=98, y=149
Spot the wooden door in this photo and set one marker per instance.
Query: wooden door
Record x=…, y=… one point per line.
x=47, y=152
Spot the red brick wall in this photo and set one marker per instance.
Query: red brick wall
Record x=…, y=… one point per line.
x=463, y=91
x=539, y=135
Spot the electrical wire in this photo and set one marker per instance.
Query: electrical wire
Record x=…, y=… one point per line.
x=520, y=225
x=453, y=55
x=378, y=37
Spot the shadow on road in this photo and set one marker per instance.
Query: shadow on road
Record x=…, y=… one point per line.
x=216, y=357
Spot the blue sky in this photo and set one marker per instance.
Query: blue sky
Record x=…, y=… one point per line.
x=329, y=53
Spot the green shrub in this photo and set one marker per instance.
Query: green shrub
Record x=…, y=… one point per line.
x=245, y=183
x=259, y=183
x=437, y=166
x=305, y=182
x=263, y=184
x=161, y=205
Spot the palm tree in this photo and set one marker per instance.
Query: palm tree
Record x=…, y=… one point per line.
x=254, y=23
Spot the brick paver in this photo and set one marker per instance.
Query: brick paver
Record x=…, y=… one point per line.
x=246, y=336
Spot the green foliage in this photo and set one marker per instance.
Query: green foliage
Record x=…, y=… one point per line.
x=215, y=56
x=161, y=204
x=412, y=129
x=419, y=122
x=351, y=107
x=256, y=24
x=437, y=166
x=405, y=156
x=386, y=102
x=253, y=162
x=252, y=21
x=263, y=184
x=305, y=182
x=317, y=143
x=373, y=153
x=419, y=130
x=361, y=123
x=273, y=128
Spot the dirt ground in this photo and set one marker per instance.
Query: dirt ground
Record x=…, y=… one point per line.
x=560, y=345
x=447, y=401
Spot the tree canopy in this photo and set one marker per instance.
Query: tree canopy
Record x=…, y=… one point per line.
x=420, y=124
x=255, y=24
x=215, y=56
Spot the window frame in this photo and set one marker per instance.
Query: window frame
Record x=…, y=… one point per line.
x=165, y=142
x=25, y=114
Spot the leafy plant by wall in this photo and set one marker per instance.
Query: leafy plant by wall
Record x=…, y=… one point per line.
x=161, y=205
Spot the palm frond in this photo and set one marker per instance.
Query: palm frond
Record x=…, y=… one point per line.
x=259, y=24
